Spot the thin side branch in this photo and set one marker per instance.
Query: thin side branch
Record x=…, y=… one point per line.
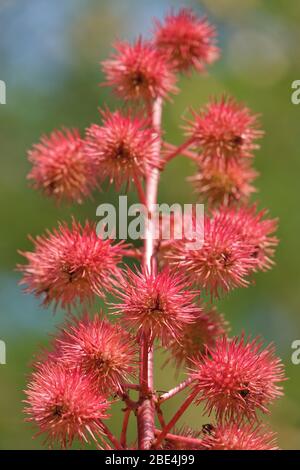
x=171, y=393
x=131, y=404
x=181, y=149
x=133, y=253
x=140, y=189
x=110, y=436
x=191, y=441
x=160, y=415
x=186, y=152
x=175, y=418
x=123, y=439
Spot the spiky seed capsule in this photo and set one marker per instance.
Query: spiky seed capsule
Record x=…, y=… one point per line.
x=238, y=377
x=99, y=348
x=239, y=436
x=60, y=167
x=65, y=405
x=186, y=40
x=122, y=147
x=156, y=306
x=205, y=329
x=225, y=130
x=139, y=72
x=71, y=265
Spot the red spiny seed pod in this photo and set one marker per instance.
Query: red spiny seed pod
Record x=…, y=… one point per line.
x=139, y=72
x=101, y=349
x=207, y=327
x=65, y=405
x=252, y=227
x=122, y=147
x=238, y=377
x=71, y=265
x=222, y=263
x=225, y=130
x=187, y=41
x=155, y=306
x=225, y=184
x=61, y=168
x=239, y=436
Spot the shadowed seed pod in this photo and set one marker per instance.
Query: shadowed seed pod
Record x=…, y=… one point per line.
x=224, y=184
x=208, y=325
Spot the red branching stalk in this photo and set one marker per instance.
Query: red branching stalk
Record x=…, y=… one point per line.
x=173, y=151
x=139, y=188
x=179, y=150
x=189, y=400
x=110, y=436
x=171, y=393
x=183, y=440
x=123, y=439
x=160, y=415
x=146, y=411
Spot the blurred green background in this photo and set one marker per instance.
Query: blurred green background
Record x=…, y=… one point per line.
x=49, y=55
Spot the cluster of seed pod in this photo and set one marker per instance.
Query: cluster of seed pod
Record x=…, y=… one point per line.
x=92, y=362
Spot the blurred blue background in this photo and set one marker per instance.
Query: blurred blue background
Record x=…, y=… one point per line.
x=49, y=59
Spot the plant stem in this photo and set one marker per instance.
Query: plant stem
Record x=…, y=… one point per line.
x=192, y=441
x=131, y=404
x=111, y=437
x=160, y=415
x=152, y=181
x=146, y=411
x=139, y=188
x=123, y=439
x=175, y=418
x=133, y=253
x=190, y=154
x=131, y=386
x=171, y=393
x=179, y=150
